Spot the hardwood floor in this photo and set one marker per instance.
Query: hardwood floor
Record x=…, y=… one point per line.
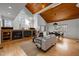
x=65, y=47
x=11, y=48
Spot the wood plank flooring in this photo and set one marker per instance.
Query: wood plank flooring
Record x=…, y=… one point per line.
x=65, y=47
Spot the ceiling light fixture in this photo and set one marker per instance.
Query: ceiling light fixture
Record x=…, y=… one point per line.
x=77, y=5
x=43, y=6
x=9, y=13
x=10, y=7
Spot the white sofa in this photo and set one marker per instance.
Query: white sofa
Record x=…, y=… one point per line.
x=45, y=42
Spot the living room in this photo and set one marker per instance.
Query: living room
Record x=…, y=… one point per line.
x=43, y=29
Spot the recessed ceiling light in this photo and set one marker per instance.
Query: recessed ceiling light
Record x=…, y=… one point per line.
x=9, y=13
x=10, y=7
x=43, y=6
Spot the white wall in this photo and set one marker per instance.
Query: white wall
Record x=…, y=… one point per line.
x=72, y=30
x=0, y=27
x=19, y=21
x=35, y=20
x=7, y=22
x=41, y=21
x=38, y=21
x=0, y=21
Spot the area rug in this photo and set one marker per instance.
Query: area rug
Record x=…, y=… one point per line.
x=30, y=49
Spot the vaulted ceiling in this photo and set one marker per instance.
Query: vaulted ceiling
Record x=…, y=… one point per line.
x=35, y=7
x=64, y=11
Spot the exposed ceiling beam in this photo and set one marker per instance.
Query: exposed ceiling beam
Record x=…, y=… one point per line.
x=36, y=7
x=48, y=7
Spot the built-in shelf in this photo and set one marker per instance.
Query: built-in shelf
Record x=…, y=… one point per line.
x=6, y=33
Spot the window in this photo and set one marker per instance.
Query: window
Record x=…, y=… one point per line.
x=7, y=23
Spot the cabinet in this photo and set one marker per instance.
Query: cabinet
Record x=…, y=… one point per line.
x=6, y=33
x=17, y=34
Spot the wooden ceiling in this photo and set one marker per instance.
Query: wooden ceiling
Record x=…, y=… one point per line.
x=35, y=7
x=64, y=11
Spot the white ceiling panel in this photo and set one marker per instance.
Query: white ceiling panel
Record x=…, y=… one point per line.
x=11, y=9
